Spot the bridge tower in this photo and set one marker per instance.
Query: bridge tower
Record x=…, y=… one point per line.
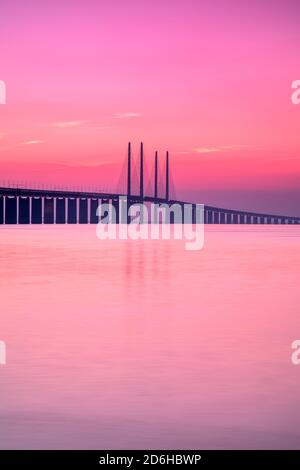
x=142, y=171
x=156, y=175
x=167, y=176
x=129, y=171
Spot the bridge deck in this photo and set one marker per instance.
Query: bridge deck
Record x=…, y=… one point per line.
x=19, y=205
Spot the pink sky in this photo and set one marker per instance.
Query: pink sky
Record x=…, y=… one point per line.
x=209, y=80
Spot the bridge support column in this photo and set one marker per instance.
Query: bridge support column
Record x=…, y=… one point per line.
x=23, y=210
x=17, y=210
x=54, y=210
x=205, y=216
x=123, y=207
x=99, y=203
x=72, y=211
x=60, y=210
x=88, y=210
x=1, y=211
x=116, y=218
x=235, y=218
x=49, y=210
x=216, y=217
x=189, y=214
x=11, y=210
x=36, y=215
x=93, y=211
x=4, y=209
x=83, y=211
x=77, y=211
x=43, y=209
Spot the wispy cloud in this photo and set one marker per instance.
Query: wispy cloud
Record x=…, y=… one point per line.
x=220, y=148
x=231, y=147
x=127, y=115
x=67, y=124
x=33, y=142
x=206, y=149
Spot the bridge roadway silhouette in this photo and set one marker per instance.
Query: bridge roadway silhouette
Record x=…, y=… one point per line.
x=59, y=206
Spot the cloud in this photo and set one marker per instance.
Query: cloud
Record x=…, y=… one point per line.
x=221, y=148
x=33, y=142
x=67, y=124
x=206, y=149
x=230, y=147
x=127, y=115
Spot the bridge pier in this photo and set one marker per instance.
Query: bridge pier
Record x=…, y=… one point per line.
x=72, y=210
x=60, y=212
x=83, y=211
x=216, y=217
x=209, y=217
x=2, y=218
x=49, y=210
x=222, y=218
x=93, y=211
x=116, y=217
x=11, y=210
x=36, y=216
x=23, y=210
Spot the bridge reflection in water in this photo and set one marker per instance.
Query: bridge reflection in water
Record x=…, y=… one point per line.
x=42, y=206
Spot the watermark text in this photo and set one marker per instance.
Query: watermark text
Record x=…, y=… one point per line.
x=2, y=353
x=2, y=92
x=296, y=354
x=296, y=94
x=125, y=220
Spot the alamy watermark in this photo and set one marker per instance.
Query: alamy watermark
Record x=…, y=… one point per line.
x=125, y=220
x=296, y=354
x=2, y=92
x=296, y=94
x=2, y=353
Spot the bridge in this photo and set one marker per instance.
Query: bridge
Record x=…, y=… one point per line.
x=59, y=206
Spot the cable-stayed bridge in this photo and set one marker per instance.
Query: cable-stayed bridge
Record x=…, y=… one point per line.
x=21, y=205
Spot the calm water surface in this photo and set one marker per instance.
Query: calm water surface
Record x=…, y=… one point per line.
x=125, y=344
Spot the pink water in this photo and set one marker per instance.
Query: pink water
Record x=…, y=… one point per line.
x=125, y=344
